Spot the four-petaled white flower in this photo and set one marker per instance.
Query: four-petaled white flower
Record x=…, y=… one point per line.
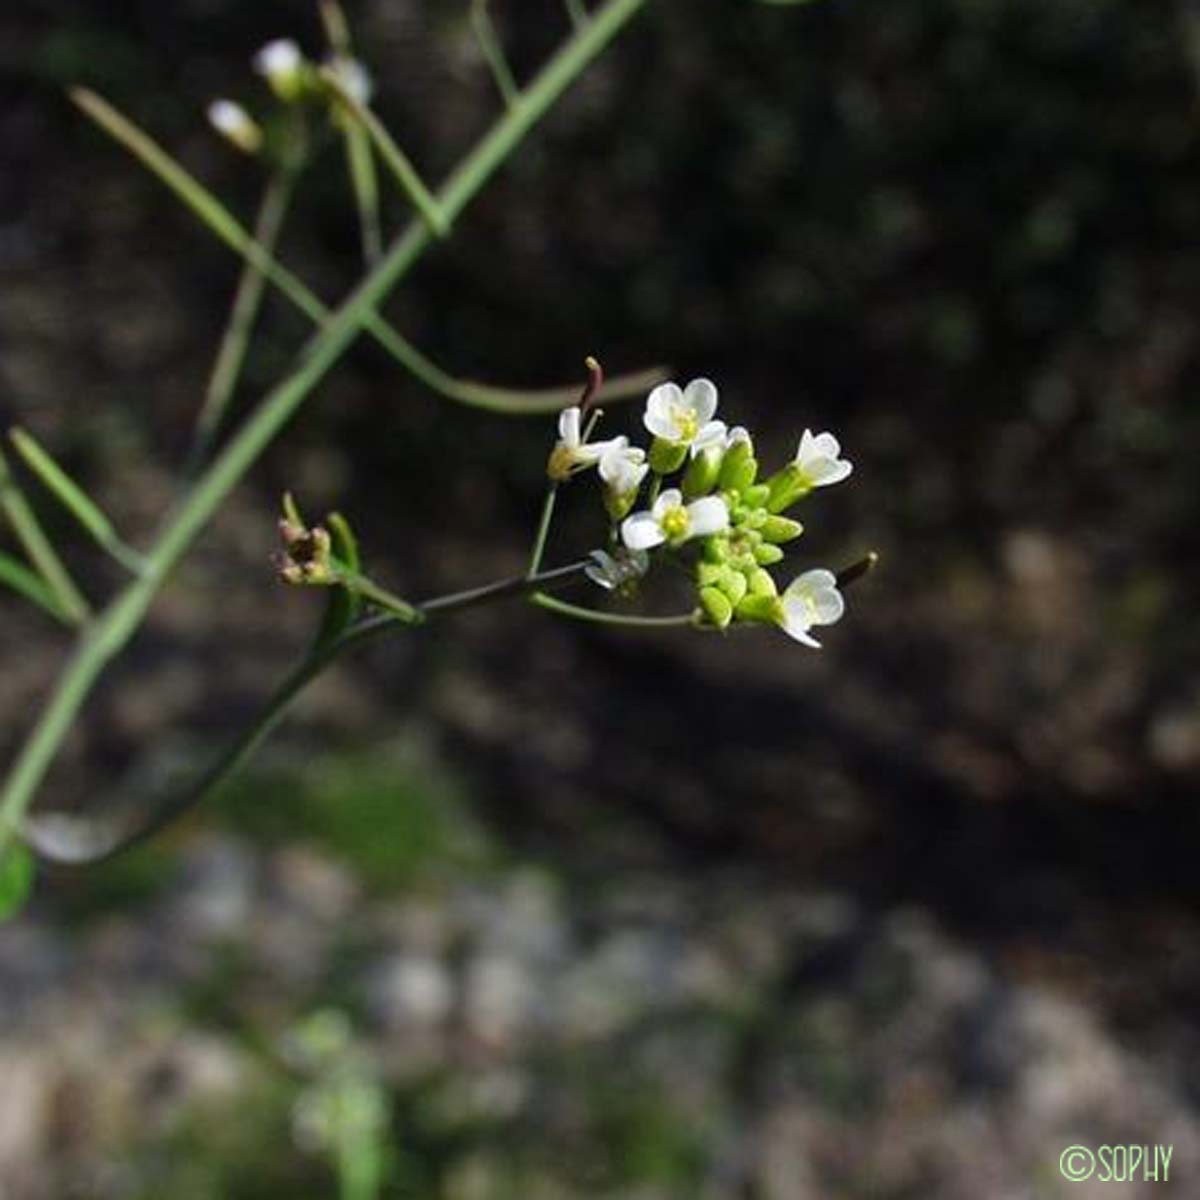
x=622, y=466
x=818, y=462
x=811, y=599
x=232, y=121
x=670, y=520
x=685, y=416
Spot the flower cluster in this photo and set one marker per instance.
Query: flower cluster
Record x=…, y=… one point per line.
x=706, y=506
x=294, y=79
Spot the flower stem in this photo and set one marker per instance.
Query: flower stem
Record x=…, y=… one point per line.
x=543, y=530
x=595, y=616
x=246, y=304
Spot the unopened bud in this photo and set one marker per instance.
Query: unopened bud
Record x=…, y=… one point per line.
x=716, y=606
x=236, y=125
x=780, y=529
x=738, y=468
x=282, y=64
x=701, y=475
x=666, y=457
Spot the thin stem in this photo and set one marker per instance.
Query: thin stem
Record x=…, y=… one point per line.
x=75, y=839
x=393, y=157
x=368, y=589
x=489, y=43
x=225, y=225
x=75, y=500
x=596, y=617
x=656, y=482
x=69, y=600
x=577, y=12
x=517, y=586
x=360, y=164
x=247, y=301
x=543, y=529
x=122, y=617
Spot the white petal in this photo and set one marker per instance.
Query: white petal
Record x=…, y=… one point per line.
x=822, y=471
x=701, y=397
x=641, y=532
x=594, y=452
x=815, y=580
x=713, y=434
x=737, y=434
x=568, y=425
x=829, y=606
x=707, y=515
x=659, y=406
x=671, y=498
x=799, y=632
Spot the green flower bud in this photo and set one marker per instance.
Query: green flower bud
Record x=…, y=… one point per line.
x=767, y=554
x=780, y=529
x=738, y=469
x=765, y=609
x=761, y=583
x=619, y=506
x=717, y=606
x=666, y=457
x=715, y=548
x=701, y=475
x=786, y=487
x=709, y=574
x=734, y=585
x=756, y=496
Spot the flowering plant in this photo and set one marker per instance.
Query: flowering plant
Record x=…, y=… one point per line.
x=692, y=496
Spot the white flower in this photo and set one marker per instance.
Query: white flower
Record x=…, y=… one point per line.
x=571, y=453
x=622, y=466
x=670, y=520
x=232, y=121
x=818, y=462
x=811, y=599
x=685, y=417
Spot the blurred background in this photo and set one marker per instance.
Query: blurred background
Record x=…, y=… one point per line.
x=612, y=914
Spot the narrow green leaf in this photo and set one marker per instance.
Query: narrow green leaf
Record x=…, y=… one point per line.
x=68, y=599
x=73, y=498
x=27, y=583
x=69, y=494
x=17, y=869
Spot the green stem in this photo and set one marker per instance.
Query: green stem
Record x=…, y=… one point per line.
x=393, y=157
x=577, y=12
x=67, y=597
x=596, y=617
x=211, y=212
x=247, y=301
x=360, y=164
x=543, y=530
x=82, y=839
x=489, y=42
x=113, y=629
